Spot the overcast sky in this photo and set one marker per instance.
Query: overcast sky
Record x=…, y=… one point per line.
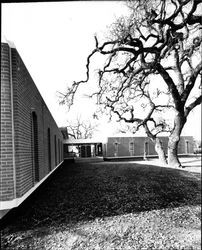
x=54, y=40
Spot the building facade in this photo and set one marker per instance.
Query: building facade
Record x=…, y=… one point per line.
x=82, y=148
x=142, y=146
x=31, y=145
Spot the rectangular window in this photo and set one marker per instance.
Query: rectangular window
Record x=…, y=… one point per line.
x=116, y=148
x=35, y=147
x=55, y=150
x=146, y=149
x=61, y=151
x=131, y=148
x=49, y=150
x=187, y=147
x=58, y=151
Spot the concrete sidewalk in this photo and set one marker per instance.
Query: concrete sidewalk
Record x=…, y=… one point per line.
x=192, y=164
x=88, y=159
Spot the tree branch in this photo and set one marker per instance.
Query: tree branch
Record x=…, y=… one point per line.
x=171, y=86
x=191, y=83
x=191, y=106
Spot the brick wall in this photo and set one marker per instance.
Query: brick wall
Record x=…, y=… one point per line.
x=26, y=102
x=186, y=146
x=6, y=145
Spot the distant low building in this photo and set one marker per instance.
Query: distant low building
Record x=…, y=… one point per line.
x=120, y=146
x=82, y=147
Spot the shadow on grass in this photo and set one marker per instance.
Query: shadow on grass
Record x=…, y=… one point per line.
x=84, y=191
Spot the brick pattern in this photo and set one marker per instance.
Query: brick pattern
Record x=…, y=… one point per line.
x=139, y=146
x=26, y=100
x=6, y=150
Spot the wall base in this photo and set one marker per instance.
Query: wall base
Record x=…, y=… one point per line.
x=6, y=206
x=3, y=212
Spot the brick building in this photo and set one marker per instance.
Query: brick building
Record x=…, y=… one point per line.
x=142, y=146
x=31, y=145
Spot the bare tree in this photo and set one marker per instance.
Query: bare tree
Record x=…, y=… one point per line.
x=80, y=129
x=151, y=77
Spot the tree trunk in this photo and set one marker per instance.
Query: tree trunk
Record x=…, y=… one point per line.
x=160, y=152
x=173, y=160
x=158, y=146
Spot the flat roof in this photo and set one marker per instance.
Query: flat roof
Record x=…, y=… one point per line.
x=81, y=141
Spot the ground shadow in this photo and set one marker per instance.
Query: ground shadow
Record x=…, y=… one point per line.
x=84, y=191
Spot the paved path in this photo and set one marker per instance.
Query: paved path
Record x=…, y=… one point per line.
x=192, y=164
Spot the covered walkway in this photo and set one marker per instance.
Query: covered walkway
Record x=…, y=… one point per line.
x=82, y=148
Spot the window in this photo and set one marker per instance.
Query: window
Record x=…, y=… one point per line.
x=35, y=149
x=58, y=151
x=187, y=147
x=49, y=150
x=116, y=148
x=55, y=150
x=61, y=151
x=146, y=149
x=131, y=148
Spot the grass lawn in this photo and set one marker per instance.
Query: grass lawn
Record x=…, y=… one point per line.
x=108, y=206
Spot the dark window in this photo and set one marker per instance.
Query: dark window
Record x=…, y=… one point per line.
x=116, y=148
x=131, y=146
x=35, y=147
x=55, y=150
x=58, y=151
x=49, y=150
x=187, y=147
x=61, y=151
x=146, y=148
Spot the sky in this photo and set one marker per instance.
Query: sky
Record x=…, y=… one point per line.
x=54, y=40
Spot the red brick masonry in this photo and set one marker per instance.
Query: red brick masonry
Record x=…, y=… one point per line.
x=31, y=143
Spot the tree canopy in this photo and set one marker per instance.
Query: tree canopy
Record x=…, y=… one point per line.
x=80, y=129
x=152, y=68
